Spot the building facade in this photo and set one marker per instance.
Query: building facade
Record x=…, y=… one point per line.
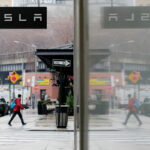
x=6, y=3
x=142, y=2
x=40, y=2
x=114, y=2
x=40, y=84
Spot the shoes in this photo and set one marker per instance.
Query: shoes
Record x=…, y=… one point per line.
x=9, y=124
x=24, y=124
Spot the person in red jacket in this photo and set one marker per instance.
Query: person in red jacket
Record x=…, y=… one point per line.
x=132, y=110
x=16, y=110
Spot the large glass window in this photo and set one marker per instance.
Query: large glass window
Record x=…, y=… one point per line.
x=118, y=76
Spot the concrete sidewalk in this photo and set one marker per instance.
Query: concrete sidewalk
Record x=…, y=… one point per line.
x=36, y=122
x=46, y=122
x=112, y=121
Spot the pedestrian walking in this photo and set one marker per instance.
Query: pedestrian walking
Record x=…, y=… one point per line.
x=16, y=111
x=132, y=110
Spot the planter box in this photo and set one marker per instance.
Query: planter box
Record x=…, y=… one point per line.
x=70, y=111
x=41, y=108
x=101, y=107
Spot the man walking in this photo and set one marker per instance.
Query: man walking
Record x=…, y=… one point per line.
x=132, y=110
x=16, y=110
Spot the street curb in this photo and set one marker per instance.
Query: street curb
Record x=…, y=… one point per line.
x=61, y=130
x=52, y=130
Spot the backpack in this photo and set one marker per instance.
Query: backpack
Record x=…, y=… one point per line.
x=13, y=104
x=136, y=104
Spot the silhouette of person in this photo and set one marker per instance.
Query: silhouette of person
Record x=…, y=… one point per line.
x=16, y=111
x=132, y=110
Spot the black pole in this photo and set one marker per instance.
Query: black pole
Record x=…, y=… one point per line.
x=59, y=99
x=9, y=91
x=62, y=93
x=13, y=91
x=112, y=4
x=38, y=1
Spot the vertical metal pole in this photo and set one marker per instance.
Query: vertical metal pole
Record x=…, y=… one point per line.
x=138, y=91
x=38, y=1
x=81, y=72
x=22, y=82
x=112, y=3
x=13, y=91
x=84, y=78
x=123, y=82
x=60, y=96
x=35, y=63
x=22, y=94
x=9, y=91
x=76, y=71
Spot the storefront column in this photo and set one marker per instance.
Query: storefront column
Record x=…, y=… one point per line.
x=81, y=66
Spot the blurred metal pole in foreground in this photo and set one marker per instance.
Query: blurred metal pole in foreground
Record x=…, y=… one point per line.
x=112, y=4
x=38, y=1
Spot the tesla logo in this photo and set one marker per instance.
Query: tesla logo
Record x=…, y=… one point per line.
x=23, y=17
x=9, y=17
x=130, y=17
x=126, y=17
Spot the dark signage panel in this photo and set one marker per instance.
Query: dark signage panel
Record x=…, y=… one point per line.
x=60, y=60
x=126, y=17
x=23, y=17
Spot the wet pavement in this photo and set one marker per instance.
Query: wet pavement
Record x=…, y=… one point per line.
x=106, y=132
x=36, y=122
x=48, y=123
x=22, y=137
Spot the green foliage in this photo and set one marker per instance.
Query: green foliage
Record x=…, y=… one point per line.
x=45, y=101
x=95, y=102
x=69, y=100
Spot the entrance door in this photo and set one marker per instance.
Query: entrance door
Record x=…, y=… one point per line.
x=42, y=94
